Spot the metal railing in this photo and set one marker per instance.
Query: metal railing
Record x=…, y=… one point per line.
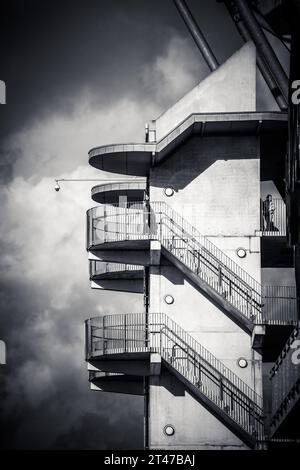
x=97, y=268
x=139, y=222
x=208, y=262
x=111, y=223
x=273, y=217
x=285, y=376
x=138, y=186
x=279, y=305
x=132, y=333
x=186, y=125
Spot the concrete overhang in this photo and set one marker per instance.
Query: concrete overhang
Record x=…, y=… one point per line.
x=137, y=159
x=135, y=245
x=116, y=276
x=128, y=159
x=110, y=193
x=138, y=273
x=121, y=254
x=121, y=356
x=117, y=383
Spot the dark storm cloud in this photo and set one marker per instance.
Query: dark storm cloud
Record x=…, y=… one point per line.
x=44, y=386
x=87, y=434
x=78, y=73
x=52, y=51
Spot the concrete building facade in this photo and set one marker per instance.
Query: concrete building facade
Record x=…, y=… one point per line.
x=193, y=235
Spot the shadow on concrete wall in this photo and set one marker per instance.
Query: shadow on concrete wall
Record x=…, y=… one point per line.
x=196, y=155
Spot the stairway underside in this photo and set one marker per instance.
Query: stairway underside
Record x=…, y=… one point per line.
x=214, y=296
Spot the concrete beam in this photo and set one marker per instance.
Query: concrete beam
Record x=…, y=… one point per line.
x=155, y=364
x=128, y=367
x=155, y=252
x=138, y=257
x=130, y=387
x=121, y=285
x=258, y=336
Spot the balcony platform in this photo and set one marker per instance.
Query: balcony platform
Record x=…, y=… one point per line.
x=111, y=193
x=138, y=256
x=120, y=339
x=113, y=271
x=137, y=159
x=116, y=383
x=140, y=354
x=124, y=275
x=116, y=276
x=122, y=245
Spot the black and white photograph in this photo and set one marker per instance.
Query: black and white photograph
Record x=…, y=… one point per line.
x=150, y=228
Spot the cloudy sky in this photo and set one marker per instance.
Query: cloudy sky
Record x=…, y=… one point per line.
x=79, y=73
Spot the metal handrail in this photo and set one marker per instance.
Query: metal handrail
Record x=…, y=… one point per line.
x=114, y=334
x=279, y=305
x=273, y=217
x=98, y=268
x=141, y=222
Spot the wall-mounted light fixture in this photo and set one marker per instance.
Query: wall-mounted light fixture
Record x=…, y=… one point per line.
x=169, y=430
x=242, y=362
x=169, y=191
x=169, y=299
x=241, y=252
